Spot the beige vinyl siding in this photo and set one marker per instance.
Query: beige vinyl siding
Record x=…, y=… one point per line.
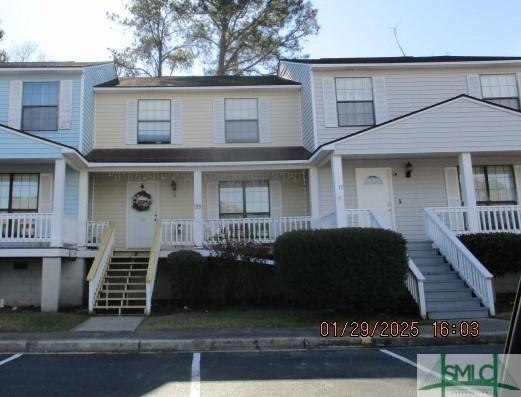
x=425, y=188
x=197, y=117
x=462, y=125
x=407, y=90
x=302, y=73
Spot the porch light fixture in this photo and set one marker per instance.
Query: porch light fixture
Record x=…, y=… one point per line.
x=408, y=169
x=173, y=184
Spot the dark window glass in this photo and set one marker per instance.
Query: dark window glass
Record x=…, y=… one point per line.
x=241, y=117
x=244, y=199
x=494, y=184
x=500, y=89
x=354, y=97
x=153, y=121
x=40, y=106
x=19, y=192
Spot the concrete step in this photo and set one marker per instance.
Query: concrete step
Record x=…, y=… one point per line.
x=458, y=314
x=419, y=245
x=432, y=260
x=423, y=253
x=435, y=269
x=120, y=270
x=463, y=304
x=447, y=296
x=122, y=291
x=447, y=286
x=447, y=276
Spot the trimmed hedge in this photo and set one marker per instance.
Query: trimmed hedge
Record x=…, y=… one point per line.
x=360, y=269
x=500, y=253
x=230, y=277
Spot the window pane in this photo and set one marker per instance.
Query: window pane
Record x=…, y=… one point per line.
x=355, y=113
x=257, y=196
x=40, y=94
x=242, y=131
x=25, y=192
x=154, y=110
x=354, y=89
x=241, y=109
x=4, y=191
x=501, y=183
x=480, y=184
x=512, y=103
x=499, y=85
x=40, y=118
x=231, y=198
x=153, y=132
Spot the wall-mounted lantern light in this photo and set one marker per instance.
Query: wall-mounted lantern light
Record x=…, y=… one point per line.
x=173, y=184
x=408, y=169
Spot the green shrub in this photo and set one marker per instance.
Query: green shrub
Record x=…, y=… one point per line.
x=358, y=269
x=189, y=277
x=500, y=253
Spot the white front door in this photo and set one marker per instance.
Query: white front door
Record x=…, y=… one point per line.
x=142, y=205
x=374, y=191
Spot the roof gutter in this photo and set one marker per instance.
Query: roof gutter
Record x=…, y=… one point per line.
x=292, y=87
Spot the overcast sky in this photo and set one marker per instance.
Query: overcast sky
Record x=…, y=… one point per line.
x=78, y=29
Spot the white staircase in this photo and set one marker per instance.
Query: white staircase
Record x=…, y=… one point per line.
x=446, y=295
x=123, y=288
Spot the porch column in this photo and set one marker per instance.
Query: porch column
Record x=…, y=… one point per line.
x=337, y=180
x=467, y=190
x=198, y=209
x=57, y=203
x=51, y=275
x=83, y=205
x=314, y=197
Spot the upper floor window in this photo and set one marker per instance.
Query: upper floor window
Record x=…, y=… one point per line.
x=19, y=192
x=40, y=106
x=494, y=184
x=354, y=96
x=153, y=122
x=500, y=89
x=241, y=120
x=244, y=199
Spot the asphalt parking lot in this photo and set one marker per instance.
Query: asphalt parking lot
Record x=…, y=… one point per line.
x=347, y=372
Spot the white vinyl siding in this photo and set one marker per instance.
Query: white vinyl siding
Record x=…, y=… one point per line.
x=500, y=89
x=241, y=120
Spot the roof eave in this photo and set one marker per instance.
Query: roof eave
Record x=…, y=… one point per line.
x=290, y=87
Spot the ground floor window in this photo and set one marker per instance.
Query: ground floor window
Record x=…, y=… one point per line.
x=19, y=192
x=495, y=185
x=244, y=199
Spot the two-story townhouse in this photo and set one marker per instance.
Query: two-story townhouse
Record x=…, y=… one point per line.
x=46, y=122
x=432, y=145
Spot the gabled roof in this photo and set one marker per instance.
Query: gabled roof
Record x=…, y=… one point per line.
x=405, y=59
x=198, y=155
x=38, y=138
x=197, y=81
x=50, y=65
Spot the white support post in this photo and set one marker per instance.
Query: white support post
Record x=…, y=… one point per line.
x=467, y=190
x=337, y=180
x=51, y=277
x=58, y=203
x=198, y=209
x=83, y=204
x=314, y=197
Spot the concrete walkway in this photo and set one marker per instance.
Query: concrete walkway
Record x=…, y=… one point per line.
x=109, y=324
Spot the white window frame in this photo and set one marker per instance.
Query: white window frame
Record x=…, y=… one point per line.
x=139, y=121
x=226, y=139
x=337, y=101
x=492, y=98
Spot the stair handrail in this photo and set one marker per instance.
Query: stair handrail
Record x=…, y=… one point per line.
x=415, y=284
x=152, y=266
x=100, y=263
x=469, y=268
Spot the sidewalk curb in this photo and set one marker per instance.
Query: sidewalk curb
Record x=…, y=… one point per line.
x=129, y=345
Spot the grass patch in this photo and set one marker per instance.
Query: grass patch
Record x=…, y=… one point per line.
x=253, y=318
x=29, y=321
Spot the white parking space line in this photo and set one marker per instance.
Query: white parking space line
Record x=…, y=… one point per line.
x=13, y=357
x=195, y=384
x=398, y=357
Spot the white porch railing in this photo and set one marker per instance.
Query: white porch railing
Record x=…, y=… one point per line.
x=469, y=268
x=95, y=231
x=258, y=230
x=356, y=217
x=152, y=267
x=492, y=218
x=177, y=232
x=415, y=284
x=500, y=218
x=25, y=228
x=100, y=264
x=328, y=221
